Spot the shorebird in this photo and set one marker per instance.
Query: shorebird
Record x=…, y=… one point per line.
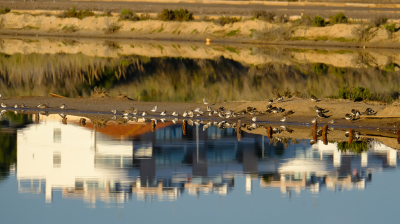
x=163, y=113
x=163, y=120
x=254, y=119
x=155, y=120
x=185, y=114
x=369, y=111
x=16, y=112
x=62, y=115
x=174, y=121
x=313, y=98
x=205, y=101
x=42, y=105
x=355, y=112
x=283, y=119
x=228, y=116
x=175, y=114
x=270, y=101
x=280, y=98
x=22, y=105
x=205, y=127
x=114, y=111
x=290, y=112
x=16, y=106
x=254, y=125
x=134, y=119
x=190, y=114
x=313, y=120
x=210, y=114
x=127, y=112
x=331, y=122
x=318, y=109
x=144, y=113
x=135, y=112
x=197, y=109
x=275, y=110
x=348, y=117
x=113, y=117
x=154, y=109
x=209, y=108
x=63, y=106
x=198, y=115
x=321, y=115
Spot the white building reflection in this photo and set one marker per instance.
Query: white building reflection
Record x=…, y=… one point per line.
x=92, y=165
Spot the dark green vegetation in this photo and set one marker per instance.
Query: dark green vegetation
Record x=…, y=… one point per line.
x=355, y=147
x=127, y=14
x=4, y=10
x=8, y=140
x=73, y=13
x=228, y=20
x=338, y=18
x=189, y=80
x=318, y=21
x=175, y=15
x=360, y=93
x=263, y=15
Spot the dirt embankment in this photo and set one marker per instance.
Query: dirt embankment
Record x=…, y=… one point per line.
x=243, y=31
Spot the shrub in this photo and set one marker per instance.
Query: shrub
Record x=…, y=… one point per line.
x=338, y=18
x=107, y=13
x=226, y=20
x=318, y=21
x=391, y=27
x=277, y=33
x=175, y=15
x=377, y=21
x=127, y=14
x=356, y=147
x=281, y=19
x=145, y=16
x=73, y=13
x=364, y=32
x=112, y=28
x=4, y=10
x=263, y=15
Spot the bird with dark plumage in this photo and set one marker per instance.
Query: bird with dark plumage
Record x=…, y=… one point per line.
x=313, y=98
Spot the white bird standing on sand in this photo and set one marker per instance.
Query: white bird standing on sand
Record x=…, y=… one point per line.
x=190, y=113
x=283, y=119
x=163, y=113
x=113, y=117
x=154, y=109
x=16, y=106
x=209, y=108
x=331, y=122
x=197, y=109
x=114, y=111
x=63, y=106
x=205, y=101
x=144, y=113
x=185, y=114
x=254, y=119
x=314, y=120
x=175, y=114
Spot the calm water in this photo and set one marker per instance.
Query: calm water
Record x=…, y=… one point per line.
x=55, y=173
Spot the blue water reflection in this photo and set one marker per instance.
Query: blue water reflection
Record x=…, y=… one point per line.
x=122, y=166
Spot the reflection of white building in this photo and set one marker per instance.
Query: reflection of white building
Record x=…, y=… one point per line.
x=61, y=156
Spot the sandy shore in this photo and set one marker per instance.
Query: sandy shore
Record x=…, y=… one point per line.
x=303, y=109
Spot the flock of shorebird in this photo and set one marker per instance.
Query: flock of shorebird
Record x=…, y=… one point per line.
x=131, y=114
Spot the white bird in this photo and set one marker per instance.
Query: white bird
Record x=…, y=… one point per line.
x=215, y=112
x=185, y=114
x=163, y=120
x=3, y=111
x=190, y=113
x=198, y=115
x=154, y=109
x=209, y=108
x=228, y=116
x=16, y=112
x=16, y=106
x=205, y=101
x=314, y=120
x=254, y=119
x=144, y=113
x=62, y=115
x=283, y=119
x=331, y=122
x=163, y=113
x=254, y=125
x=155, y=120
x=175, y=114
x=113, y=117
x=63, y=106
x=197, y=109
x=174, y=121
x=114, y=111
x=210, y=114
x=205, y=127
x=200, y=112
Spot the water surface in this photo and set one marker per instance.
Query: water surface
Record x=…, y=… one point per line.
x=56, y=173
